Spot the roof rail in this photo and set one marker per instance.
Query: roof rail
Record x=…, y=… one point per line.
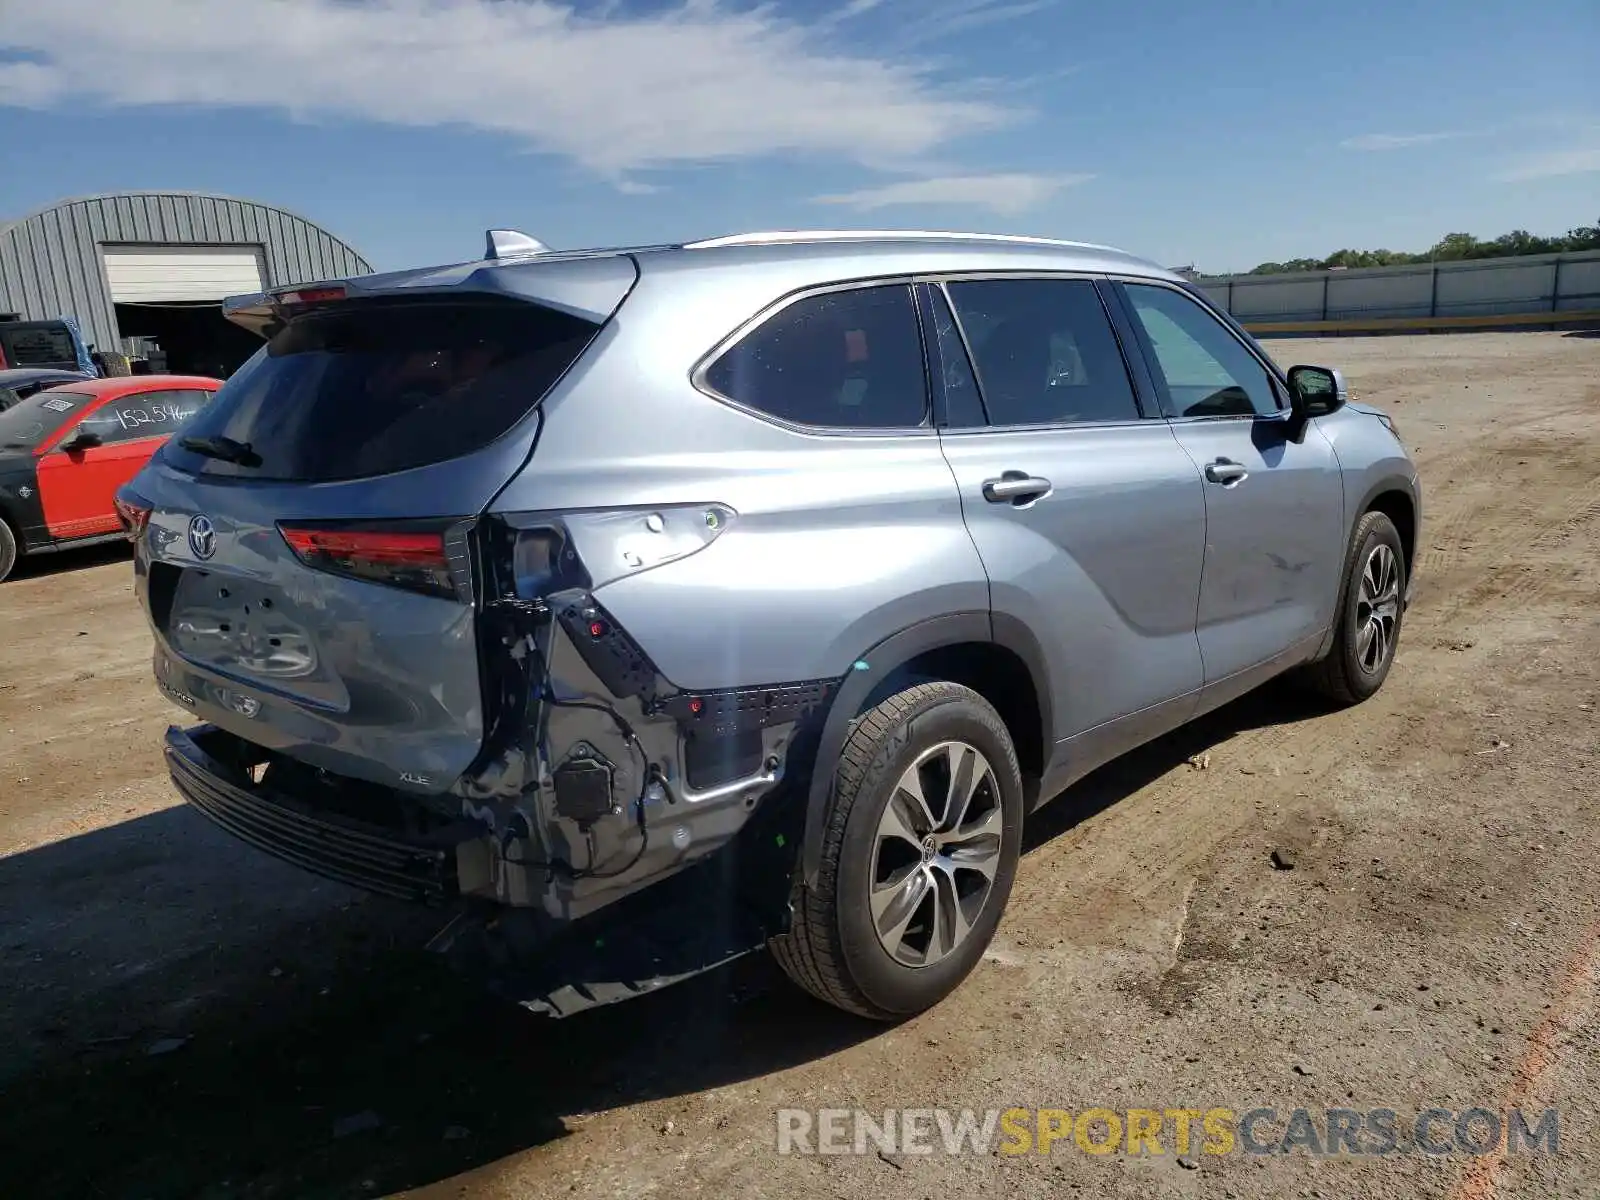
x=510, y=243
x=779, y=236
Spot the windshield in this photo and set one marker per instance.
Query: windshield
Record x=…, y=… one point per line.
x=30, y=422
x=368, y=388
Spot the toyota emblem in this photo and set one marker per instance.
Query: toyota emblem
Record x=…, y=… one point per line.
x=202, y=537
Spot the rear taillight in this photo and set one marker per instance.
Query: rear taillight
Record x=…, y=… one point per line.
x=429, y=557
x=311, y=295
x=133, y=511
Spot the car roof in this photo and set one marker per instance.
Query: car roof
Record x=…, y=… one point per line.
x=122, y=385
x=590, y=283
x=878, y=248
x=956, y=250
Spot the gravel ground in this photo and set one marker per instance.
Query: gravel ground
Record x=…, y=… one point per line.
x=188, y=1018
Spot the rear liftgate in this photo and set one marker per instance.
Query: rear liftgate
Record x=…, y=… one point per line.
x=599, y=779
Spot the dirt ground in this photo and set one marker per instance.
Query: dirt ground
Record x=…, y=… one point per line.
x=185, y=1017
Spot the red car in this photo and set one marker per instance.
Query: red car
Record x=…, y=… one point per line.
x=65, y=451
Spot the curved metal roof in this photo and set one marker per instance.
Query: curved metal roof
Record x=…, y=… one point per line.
x=67, y=202
x=52, y=259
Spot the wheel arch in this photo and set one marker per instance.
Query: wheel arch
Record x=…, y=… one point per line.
x=1395, y=501
x=997, y=656
x=12, y=517
x=1395, y=497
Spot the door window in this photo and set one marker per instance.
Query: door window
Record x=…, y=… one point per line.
x=145, y=415
x=963, y=407
x=840, y=360
x=1201, y=369
x=1045, y=351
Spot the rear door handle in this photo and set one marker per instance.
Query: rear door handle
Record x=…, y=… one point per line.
x=1226, y=472
x=1015, y=487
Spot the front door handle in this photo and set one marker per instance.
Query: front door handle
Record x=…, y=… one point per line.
x=1015, y=487
x=1226, y=472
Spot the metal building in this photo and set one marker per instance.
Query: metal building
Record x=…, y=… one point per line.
x=144, y=269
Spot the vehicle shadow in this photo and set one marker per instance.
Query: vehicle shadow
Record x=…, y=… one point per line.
x=186, y=1017
x=40, y=566
x=1277, y=703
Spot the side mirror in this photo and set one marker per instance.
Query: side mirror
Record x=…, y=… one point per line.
x=84, y=439
x=1316, y=391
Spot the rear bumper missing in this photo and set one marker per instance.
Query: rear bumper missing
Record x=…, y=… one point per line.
x=378, y=858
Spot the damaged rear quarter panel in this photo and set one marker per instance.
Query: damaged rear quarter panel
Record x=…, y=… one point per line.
x=837, y=542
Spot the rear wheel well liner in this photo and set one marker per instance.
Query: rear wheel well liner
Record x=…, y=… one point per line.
x=997, y=656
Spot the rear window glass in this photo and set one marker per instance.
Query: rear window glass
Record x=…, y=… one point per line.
x=30, y=421
x=369, y=388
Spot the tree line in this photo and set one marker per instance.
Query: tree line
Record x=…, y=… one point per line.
x=1453, y=247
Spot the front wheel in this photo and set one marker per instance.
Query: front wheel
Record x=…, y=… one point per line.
x=1367, y=624
x=918, y=856
x=8, y=551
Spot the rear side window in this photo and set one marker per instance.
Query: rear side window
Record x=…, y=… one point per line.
x=369, y=388
x=841, y=360
x=1045, y=351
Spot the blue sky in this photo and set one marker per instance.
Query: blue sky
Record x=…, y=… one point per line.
x=1222, y=134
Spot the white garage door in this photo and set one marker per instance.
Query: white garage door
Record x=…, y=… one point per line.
x=145, y=274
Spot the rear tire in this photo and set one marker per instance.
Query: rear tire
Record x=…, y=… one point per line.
x=116, y=365
x=901, y=914
x=8, y=551
x=1367, y=622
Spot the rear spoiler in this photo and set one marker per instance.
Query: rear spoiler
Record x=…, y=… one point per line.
x=590, y=285
x=259, y=312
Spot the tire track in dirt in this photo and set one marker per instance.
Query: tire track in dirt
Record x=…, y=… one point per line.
x=1554, y=492
x=1186, y=814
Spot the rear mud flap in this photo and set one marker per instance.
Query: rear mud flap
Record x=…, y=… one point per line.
x=679, y=929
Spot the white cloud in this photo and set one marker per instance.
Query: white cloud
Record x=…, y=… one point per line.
x=942, y=20
x=1395, y=141
x=619, y=92
x=1554, y=163
x=1008, y=194
x=852, y=10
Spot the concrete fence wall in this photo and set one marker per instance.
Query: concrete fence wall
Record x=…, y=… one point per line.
x=1527, y=289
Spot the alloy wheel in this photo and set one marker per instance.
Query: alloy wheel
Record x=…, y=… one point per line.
x=1377, y=609
x=936, y=854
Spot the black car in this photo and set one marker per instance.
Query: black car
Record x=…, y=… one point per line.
x=19, y=384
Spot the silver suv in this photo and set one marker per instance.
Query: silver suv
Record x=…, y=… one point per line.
x=742, y=592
